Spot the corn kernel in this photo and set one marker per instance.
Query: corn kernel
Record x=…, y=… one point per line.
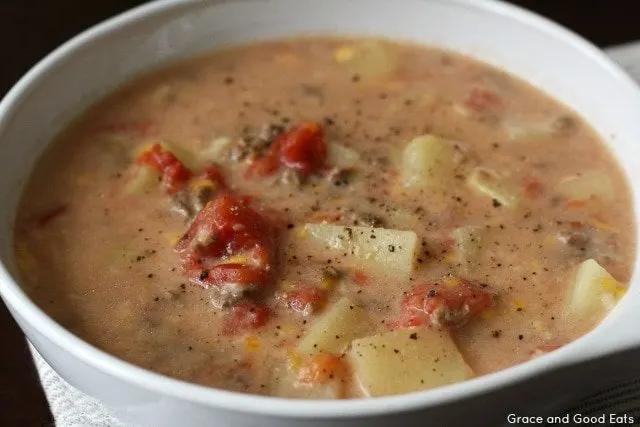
x=328, y=283
x=451, y=281
x=252, y=343
x=173, y=238
x=203, y=183
x=519, y=304
x=294, y=360
x=301, y=232
x=236, y=259
x=344, y=54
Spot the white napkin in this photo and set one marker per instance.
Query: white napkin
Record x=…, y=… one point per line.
x=72, y=408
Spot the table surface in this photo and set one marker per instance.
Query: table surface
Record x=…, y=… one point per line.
x=29, y=29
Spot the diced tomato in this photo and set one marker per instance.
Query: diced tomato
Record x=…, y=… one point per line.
x=213, y=174
x=304, y=149
x=174, y=173
x=360, y=278
x=482, y=99
x=48, y=216
x=238, y=274
x=245, y=316
x=533, y=188
x=226, y=227
x=440, y=305
x=301, y=148
x=267, y=165
x=305, y=300
x=321, y=368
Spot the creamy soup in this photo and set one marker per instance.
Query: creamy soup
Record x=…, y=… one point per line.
x=327, y=218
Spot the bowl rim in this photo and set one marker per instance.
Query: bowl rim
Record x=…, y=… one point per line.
x=266, y=405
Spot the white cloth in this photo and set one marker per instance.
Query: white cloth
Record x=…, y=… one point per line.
x=72, y=408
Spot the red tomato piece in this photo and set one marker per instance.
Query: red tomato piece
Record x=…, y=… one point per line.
x=213, y=174
x=246, y=316
x=304, y=149
x=267, y=165
x=305, y=300
x=226, y=227
x=301, y=148
x=236, y=274
x=174, y=173
x=440, y=305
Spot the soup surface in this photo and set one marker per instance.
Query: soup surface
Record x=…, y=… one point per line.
x=327, y=218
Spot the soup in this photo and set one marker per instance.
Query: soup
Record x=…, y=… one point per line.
x=327, y=218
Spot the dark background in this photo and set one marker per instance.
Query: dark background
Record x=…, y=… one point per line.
x=29, y=29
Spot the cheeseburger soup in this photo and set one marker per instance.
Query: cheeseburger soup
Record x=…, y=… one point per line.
x=327, y=218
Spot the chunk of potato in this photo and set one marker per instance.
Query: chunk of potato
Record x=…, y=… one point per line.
x=468, y=244
x=407, y=360
x=367, y=59
x=592, y=292
x=428, y=163
x=381, y=251
x=590, y=184
x=335, y=329
x=495, y=185
x=341, y=156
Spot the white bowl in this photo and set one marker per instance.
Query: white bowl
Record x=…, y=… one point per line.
x=99, y=60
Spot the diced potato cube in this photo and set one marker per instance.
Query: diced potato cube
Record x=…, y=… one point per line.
x=367, y=59
x=341, y=156
x=591, y=184
x=494, y=185
x=592, y=292
x=428, y=163
x=404, y=361
x=335, y=329
x=468, y=244
x=380, y=251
